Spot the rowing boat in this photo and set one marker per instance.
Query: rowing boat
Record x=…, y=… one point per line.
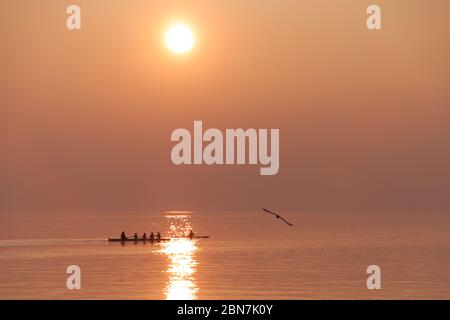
x=136, y=240
x=153, y=241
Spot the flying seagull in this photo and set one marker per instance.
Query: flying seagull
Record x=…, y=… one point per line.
x=278, y=216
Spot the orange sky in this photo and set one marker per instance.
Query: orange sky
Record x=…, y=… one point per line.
x=364, y=116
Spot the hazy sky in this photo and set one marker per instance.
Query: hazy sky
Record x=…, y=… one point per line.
x=364, y=116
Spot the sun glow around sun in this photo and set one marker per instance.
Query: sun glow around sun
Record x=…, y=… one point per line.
x=180, y=39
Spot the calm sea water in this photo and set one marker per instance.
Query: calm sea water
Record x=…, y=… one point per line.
x=249, y=256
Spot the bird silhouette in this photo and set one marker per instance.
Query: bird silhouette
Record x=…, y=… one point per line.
x=278, y=216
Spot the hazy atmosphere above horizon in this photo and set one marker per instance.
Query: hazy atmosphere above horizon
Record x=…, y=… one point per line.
x=364, y=117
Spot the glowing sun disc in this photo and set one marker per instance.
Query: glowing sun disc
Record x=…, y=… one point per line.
x=180, y=39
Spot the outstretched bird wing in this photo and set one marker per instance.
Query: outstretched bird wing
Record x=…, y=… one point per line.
x=278, y=216
x=268, y=211
x=287, y=222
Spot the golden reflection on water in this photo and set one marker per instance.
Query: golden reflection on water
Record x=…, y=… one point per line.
x=182, y=264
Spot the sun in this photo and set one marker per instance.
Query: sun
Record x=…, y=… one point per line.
x=180, y=39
